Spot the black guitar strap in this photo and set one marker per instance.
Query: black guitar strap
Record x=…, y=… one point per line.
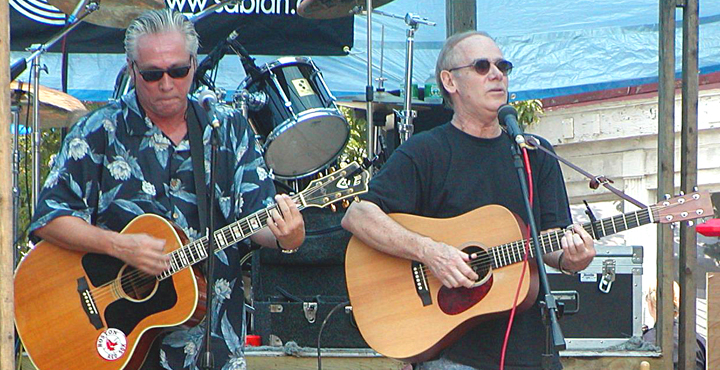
x=198, y=162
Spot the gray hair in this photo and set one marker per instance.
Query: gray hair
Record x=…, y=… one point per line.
x=160, y=21
x=448, y=58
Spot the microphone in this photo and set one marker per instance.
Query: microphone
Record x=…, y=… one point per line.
x=507, y=115
x=208, y=100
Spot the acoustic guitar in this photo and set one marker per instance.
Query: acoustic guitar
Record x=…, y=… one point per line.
x=404, y=312
x=76, y=310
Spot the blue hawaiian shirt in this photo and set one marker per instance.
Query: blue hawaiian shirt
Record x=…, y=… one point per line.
x=115, y=165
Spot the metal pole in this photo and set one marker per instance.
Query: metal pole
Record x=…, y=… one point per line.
x=406, y=128
x=666, y=178
x=688, y=181
x=369, y=90
x=36, y=136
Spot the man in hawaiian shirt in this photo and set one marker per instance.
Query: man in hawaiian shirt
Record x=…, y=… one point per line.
x=132, y=157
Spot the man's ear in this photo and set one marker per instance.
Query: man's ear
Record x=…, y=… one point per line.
x=448, y=81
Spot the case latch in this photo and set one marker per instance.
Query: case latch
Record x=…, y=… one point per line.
x=608, y=276
x=310, y=309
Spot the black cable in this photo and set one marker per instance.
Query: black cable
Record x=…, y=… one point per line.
x=319, y=357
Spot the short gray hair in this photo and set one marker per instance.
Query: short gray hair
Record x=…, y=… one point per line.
x=448, y=58
x=159, y=21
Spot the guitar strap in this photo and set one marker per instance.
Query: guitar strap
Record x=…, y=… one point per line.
x=198, y=162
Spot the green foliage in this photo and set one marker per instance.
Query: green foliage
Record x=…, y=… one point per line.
x=356, y=148
x=51, y=140
x=529, y=111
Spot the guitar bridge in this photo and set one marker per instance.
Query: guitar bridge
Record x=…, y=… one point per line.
x=421, y=283
x=87, y=301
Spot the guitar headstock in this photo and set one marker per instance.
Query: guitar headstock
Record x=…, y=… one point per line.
x=336, y=186
x=685, y=207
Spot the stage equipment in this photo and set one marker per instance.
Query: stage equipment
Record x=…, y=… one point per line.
x=20, y=65
x=292, y=294
x=108, y=308
x=111, y=13
x=603, y=303
x=413, y=21
x=57, y=109
x=299, y=126
x=383, y=102
x=394, y=299
x=330, y=9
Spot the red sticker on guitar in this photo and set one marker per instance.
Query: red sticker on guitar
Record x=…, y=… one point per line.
x=111, y=344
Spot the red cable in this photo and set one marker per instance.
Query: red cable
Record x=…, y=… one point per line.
x=528, y=172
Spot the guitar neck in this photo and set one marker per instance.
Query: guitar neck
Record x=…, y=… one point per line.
x=514, y=252
x=196, y=250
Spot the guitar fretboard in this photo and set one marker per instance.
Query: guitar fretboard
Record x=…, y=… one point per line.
x=514, y=252
x=196, y=251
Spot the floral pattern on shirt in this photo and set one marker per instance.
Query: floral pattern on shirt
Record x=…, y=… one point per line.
x=115, y=165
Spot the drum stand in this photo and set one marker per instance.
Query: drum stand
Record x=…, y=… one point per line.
x=405, y=127
x=19, y=66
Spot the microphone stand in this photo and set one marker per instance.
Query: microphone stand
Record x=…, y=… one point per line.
x=548, y=305
x=208, y=362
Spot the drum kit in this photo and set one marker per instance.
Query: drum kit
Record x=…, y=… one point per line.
x=287, y=103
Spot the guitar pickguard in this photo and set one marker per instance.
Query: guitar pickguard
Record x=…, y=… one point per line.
x=125, y=314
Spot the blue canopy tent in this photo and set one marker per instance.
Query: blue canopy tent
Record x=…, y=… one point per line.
x=558, y=48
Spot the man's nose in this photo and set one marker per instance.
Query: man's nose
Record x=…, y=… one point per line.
x=165, y=83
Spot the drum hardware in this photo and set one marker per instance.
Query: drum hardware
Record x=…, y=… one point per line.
x=330, y=9
x=19, y=66
x=205, y=12
x=112, y=13
x=413, y=21
x=57, y=109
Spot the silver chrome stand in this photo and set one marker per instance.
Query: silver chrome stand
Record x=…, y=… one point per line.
x=369, y=89
x=16, y=182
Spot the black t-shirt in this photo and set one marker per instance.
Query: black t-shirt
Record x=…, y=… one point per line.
x=444, y=173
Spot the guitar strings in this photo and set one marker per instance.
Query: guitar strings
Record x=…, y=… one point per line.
x=138, y=278
x=486, y=260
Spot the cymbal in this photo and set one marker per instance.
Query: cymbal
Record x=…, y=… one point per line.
x=330, y=9
x=111, y=13
x=383, y=101
x=57, y=109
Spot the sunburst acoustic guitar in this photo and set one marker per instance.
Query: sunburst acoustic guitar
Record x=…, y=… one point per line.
x=76, y=310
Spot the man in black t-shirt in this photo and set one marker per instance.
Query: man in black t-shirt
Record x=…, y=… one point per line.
x=458, y=167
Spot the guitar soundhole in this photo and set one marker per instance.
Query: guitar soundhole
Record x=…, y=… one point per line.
x=481, y=264
x=136, y=285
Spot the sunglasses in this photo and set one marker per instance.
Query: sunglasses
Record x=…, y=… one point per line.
x=152, y=75
x=482, y=66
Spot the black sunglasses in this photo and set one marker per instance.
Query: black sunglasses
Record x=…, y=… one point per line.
x=482, y=66
x=153, y=75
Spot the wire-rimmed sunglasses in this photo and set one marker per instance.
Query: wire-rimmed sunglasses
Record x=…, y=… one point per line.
x=152, y=75
x=482, y=66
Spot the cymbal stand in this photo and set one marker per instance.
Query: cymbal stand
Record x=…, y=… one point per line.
x=405, y=127
x=205, y=12
x=18, y=67
x=369, y=89
x=16, y=180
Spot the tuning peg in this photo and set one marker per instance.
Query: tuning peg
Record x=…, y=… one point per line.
x=695, y=189
x=356, y=199
x=672, y=226
x=682, y=193
x=333, y=208
x=690, y=223
x=667, y=196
